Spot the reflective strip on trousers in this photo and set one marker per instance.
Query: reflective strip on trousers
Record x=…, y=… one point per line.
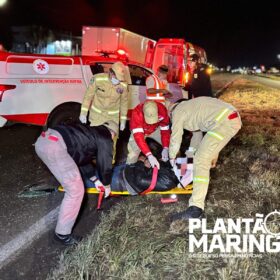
x=199, y=179
x=222, y=114
x=216, y=135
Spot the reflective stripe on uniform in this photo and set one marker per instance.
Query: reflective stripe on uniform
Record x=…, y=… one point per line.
x=216, y=135
x=200, y=179
x=112, y=112
x=108, y=112
x=102, y=79
x=96, y=109
x=136, y=130
x=84, y=109
x=123, y=118
x=164, y=127
x=156, y=82
x=155, y=98
x=222, y=114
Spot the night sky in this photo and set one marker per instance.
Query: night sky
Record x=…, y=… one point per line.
x=237, y=33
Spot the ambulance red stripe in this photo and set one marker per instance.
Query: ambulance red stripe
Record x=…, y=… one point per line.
x=38, y=118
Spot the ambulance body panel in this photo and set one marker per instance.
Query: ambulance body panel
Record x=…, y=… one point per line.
x=44, y=90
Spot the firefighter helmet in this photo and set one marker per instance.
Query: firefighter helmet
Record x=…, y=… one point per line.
x=150, y=110
x=119, y=70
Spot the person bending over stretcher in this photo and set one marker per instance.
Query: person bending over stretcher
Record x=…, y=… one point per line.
x=221, y=122
x=63, y=149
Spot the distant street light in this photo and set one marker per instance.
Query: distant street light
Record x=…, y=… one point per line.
x=2, y=2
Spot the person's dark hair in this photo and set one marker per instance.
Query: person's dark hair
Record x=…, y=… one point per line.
x=163, y=68
x=195, y=57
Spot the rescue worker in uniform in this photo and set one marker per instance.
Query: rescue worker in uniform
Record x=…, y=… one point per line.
x=106, y=98
x=64, y=149
x=157, y=85
x=148, y=119
x=221, y=122
x=199, y=83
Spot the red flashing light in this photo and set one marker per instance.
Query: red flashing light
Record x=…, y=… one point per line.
x=121, y=52
x=186, y=77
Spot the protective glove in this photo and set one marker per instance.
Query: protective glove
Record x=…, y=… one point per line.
x=164, y=154
x=100, y=187
x=190, y=152
x=153, y=161
x=83, y=119
x=172, y=162
x=122, y=126
x=107, y=190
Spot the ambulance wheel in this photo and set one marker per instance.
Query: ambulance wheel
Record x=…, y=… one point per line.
x=64, y=114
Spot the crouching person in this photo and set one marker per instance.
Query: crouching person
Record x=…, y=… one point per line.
x=63, y=149
x=221, y=122
x=148, y=119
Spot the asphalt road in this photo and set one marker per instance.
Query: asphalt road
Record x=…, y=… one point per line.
x=265, y=81
x=20, y=167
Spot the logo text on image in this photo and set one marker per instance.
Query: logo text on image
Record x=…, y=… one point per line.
x=241, y=235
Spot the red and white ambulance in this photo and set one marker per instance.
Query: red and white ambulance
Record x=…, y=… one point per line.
x=47, y=90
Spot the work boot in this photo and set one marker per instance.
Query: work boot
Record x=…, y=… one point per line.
x=192, y=212
x=67, y=239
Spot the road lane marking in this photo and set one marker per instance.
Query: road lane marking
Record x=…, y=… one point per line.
x=24, y=239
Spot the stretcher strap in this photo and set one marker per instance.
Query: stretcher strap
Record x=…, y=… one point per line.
x=100, y=198
x=153, y=183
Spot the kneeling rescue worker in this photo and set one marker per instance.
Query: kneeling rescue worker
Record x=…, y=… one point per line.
x=63, y=149
x=148, y=119
x=221, y=122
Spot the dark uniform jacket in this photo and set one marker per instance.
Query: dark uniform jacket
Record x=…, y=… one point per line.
x=200, y=84
x=85, y=143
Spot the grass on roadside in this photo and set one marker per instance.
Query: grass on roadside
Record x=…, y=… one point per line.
x=136, y=240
